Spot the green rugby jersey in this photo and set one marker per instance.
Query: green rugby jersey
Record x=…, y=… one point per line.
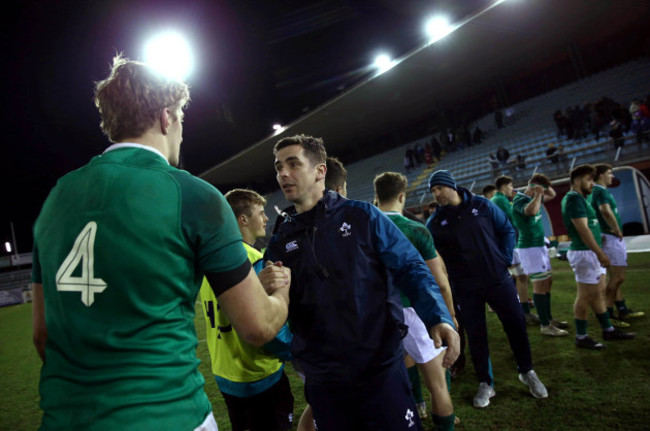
x=504, y=203
x=600, y=195
x=121, y=246
x=574, y=205
x=531, y=228
x=419, y=236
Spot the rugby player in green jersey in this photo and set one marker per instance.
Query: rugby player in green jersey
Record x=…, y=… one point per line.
x=120, y=248
x=587, y=259
x=390, y=194
x=532, y=251
x=609, y=219
x=502, y=198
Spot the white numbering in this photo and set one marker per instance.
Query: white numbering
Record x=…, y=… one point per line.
x=82, y=253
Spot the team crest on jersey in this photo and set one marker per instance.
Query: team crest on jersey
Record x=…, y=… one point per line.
x=409, y=417
x=475, y=212
x=291, y=246
x=443, y=223
x=345, y=229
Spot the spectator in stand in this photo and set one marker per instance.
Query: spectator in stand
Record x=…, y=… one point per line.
x=503, y=156
x=569, y=124
x=551, y=153
x=616, y=132
x=489, y=191
x=477, y=135
x=560, y=122
x=577, y=120
x=640, y=127
x=428, y=154
x=494, y=164
x=418, y=153
x=521, y=162
x=498, y=118
x=408, y=159
x=436, y=148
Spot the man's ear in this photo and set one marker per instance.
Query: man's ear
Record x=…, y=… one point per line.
x=165, y=120
x=242, y=220
x=401, y=197
x=321, y=171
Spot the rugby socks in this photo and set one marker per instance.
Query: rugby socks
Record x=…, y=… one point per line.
x=444, y=423
x=620, y=305
x=525, y=307
x=416, y=386
x=610, y=311
x=548, y=305
x=605, y=323
x=542, y=308
x=581, y=328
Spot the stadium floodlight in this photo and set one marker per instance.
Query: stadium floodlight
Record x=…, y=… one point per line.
x=383, y=62
x=170, y=54
x=437, y=28
x=8, y=246
x=277, y=126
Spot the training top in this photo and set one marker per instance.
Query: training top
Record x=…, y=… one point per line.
x=240, y=369
x=574, y=205
x=531, y=228
x=121, y=246
x=600, y=195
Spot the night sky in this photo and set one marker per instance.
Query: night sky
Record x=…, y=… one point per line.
x=256, y=63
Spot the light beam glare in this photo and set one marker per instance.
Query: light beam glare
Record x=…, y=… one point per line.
x=169, y=54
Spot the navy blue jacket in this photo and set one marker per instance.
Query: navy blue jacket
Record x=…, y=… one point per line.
x=347, y=259
x=476, y=240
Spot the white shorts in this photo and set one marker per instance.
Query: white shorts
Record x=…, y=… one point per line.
x=615, y=249
x=209, y=424
x=417, y=343
x=586, y=266
x=534, y=259
x=516, y=270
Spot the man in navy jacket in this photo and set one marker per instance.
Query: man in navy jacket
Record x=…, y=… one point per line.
x=476, y=240
x=347, y=261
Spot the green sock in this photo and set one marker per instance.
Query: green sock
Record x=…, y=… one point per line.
x=548, y=305
x=610, y=311
x=542, y=308
x=620, y=305
x=603, y=318
x=581, y=327
x=416, y=386
x=444, y=423
x=525, y=307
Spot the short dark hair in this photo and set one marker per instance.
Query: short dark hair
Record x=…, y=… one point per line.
x=314, y=147
x=540, y=179
x=601, y=168
x=487, y=189
x=503, y=180
x=389, y=185
x=581, y=171
x=242, y=200
x=336, y=175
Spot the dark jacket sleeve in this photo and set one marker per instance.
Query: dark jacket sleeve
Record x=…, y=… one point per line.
x=409, y=272
x=503, y=230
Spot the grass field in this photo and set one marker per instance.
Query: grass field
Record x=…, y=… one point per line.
x=588, y=390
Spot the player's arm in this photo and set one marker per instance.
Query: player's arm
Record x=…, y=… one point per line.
x=610, y=218
x=437, y=268
x=588, y=238
x=549, y=193
x=256, y=315
x=38, y=319
x=535, y=204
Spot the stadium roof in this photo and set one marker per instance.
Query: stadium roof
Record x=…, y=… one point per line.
x=510, y=40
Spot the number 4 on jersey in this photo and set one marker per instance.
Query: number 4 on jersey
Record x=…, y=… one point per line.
x=82, y=254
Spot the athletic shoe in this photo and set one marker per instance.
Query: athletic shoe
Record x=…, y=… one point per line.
x=482, y=398
x=552, y=331
x=629, y=314
x=589, y=343
x=537, y=388
x=422, y=410
x=562, y=324
x=456, y=420
x=617, y=334
x=531, y=319
x=619, y=323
